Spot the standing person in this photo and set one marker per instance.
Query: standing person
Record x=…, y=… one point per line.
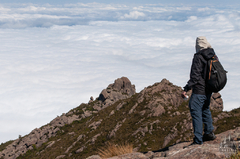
x=200, y=98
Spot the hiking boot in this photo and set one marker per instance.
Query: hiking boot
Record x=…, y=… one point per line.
x=209, y=137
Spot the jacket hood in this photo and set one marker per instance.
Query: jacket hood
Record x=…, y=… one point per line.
x=202, y=43
x=207, y=53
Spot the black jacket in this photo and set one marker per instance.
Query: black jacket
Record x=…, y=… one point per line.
x=198, y=71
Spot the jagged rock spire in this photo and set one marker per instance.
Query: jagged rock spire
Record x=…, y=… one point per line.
x=120, y=89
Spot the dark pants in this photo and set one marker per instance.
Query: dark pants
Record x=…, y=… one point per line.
x=200, y=112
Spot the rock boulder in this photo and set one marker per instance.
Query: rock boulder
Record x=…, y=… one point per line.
x=120, y=89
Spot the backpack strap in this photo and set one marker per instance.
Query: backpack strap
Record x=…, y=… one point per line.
x=210, y=68
x=213, y=59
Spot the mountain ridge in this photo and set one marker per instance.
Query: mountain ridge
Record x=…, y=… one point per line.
x=118, y=114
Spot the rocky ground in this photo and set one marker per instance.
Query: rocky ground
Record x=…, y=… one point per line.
x=222, y=147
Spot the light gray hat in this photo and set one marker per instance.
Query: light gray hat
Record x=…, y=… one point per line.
x=202, y=43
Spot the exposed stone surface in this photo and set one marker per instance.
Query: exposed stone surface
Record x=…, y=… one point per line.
x=120, y=89
x=113, y=132
x=119, y=106
x=142, y=130
x=63, y=119
x=91, y=99
x=94, y=125
x=86, y=113
x=81, y=149
x=133, y=108
x=112, y=112
x=94, y=157
x=79, y=138
x=216, y=102
x=61, y=156
x=50, y=144
x=221, y=116
x=165, y=94
x=92, y=141
x=168, y=138
x=135, y=155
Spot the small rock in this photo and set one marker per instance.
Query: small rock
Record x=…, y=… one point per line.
x=61, y=156
x=50, y=144
x=94, y=157
x=80, y=150
x=91, y=99
x=112, y=112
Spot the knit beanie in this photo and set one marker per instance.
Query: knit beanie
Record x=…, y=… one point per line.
x=202, y=43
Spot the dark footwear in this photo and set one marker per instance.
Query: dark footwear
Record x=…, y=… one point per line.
x=209, y=137
x=194, y=143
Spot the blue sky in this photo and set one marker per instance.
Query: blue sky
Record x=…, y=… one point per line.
x=54, y=57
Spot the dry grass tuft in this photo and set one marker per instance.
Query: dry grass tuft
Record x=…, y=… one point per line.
x=235, y=156
x=115, y=150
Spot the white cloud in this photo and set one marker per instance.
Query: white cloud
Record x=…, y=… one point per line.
x=203, y=9
x=50, y=62
x=133, y=15
x=184, y=8
x=24, y=16
x=192, y=18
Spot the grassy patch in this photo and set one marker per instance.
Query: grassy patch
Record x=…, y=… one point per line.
x=227, y=123
x=111, y=150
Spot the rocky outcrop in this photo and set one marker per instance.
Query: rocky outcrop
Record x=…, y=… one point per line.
x=120, y=89
x=160, y=96
x=63, y=119
x=216, y=102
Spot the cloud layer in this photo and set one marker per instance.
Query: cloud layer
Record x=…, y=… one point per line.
x=55, y=57
x=30, y=15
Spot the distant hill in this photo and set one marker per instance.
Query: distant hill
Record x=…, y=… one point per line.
x=151, y=120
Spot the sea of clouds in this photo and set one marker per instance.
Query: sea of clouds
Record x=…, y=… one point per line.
x=54, y=57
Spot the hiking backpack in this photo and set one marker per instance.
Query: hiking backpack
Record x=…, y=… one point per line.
x=216, y=75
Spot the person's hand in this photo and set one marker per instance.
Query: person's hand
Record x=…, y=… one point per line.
x=183, y=95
